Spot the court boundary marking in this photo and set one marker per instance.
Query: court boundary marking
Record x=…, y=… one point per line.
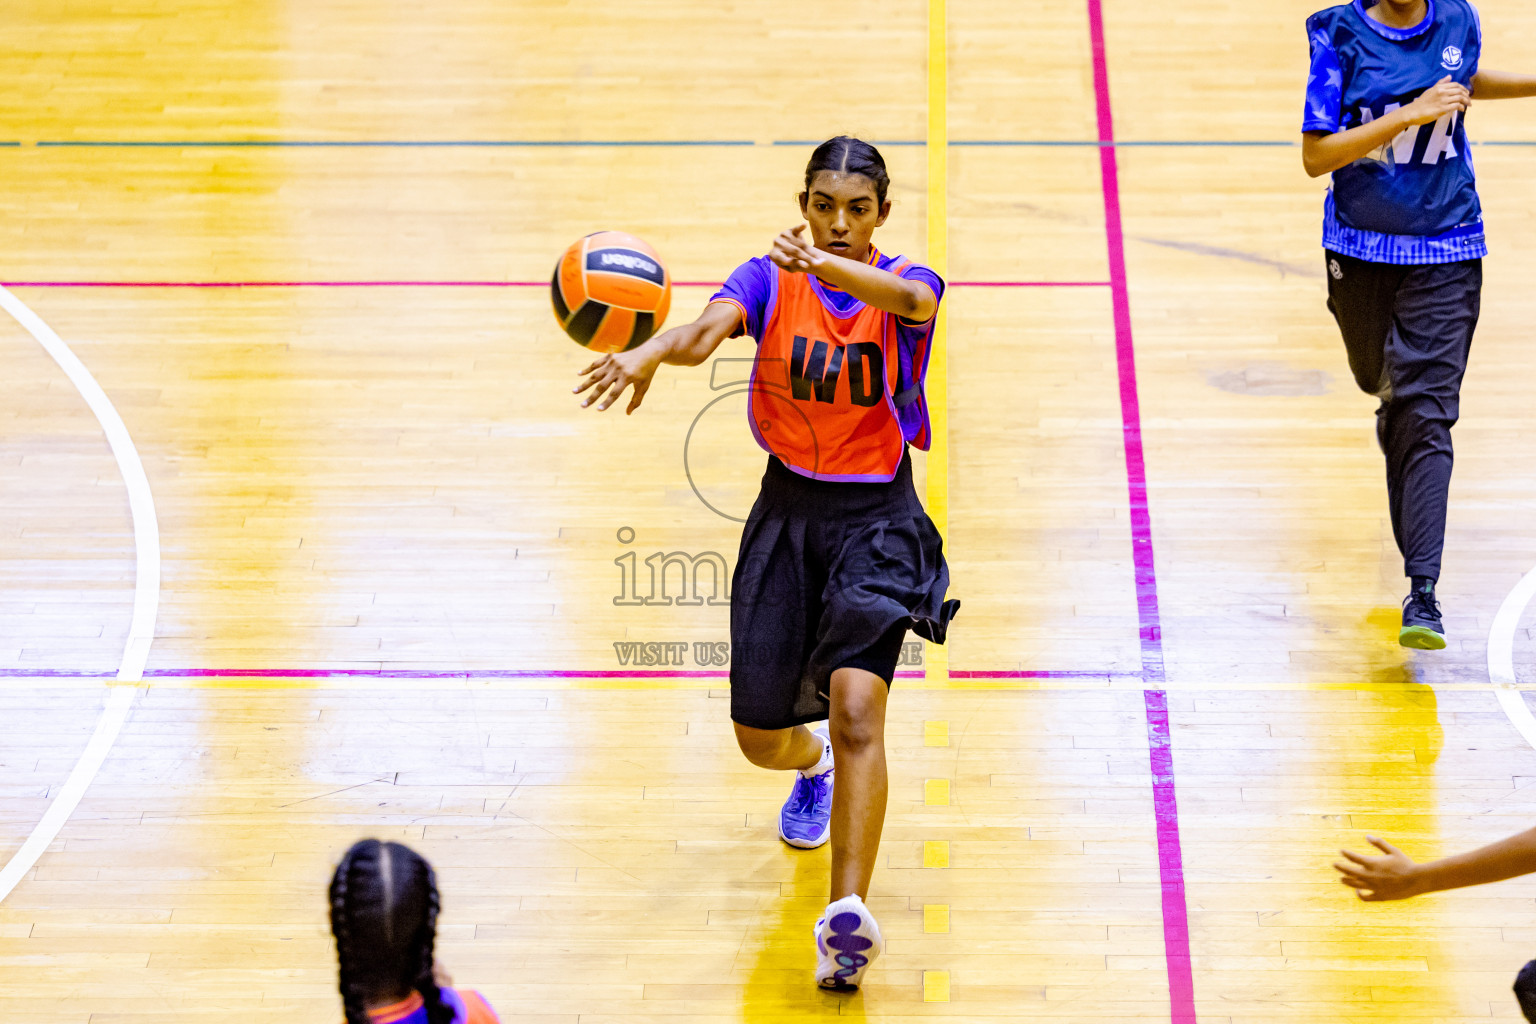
x=146, y=595
x=659, y=143
x=12, y=682
x=1165, y=806
x=665, y=143
x=462, y=284
x=1501, y=657
x=936, y=231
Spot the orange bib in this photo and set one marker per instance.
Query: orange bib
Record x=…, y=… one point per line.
x=821, y=395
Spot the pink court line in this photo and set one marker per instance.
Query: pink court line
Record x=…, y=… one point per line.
x=461, y=284
x=1165, y=806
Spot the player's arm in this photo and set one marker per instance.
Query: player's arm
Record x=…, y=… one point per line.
x=687, y=345
x=1502, y=85
x=913, y=301
x=1395, y=876
x=1322, y=152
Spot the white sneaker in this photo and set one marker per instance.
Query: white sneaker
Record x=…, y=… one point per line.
x=847, y=942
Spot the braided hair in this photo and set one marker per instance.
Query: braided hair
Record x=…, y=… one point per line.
x=384, y=907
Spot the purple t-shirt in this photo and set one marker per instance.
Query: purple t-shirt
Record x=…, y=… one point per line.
x=751, y=287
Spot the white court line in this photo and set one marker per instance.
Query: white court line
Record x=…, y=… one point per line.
x=1501, y=656
x=146, y=594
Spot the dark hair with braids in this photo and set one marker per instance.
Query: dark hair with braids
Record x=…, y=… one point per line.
x=847, y=155
x=384, y=908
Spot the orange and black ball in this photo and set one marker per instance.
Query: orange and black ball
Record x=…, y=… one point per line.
x=610, y=291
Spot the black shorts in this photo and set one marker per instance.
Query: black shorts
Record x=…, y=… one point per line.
x=829, y=576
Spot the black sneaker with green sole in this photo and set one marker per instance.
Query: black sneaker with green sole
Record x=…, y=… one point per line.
x=1422, y=629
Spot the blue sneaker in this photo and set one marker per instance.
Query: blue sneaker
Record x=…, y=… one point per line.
x=805, y=821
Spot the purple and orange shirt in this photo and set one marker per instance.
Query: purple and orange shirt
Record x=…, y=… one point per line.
x=468, y=1008
x=836, y=391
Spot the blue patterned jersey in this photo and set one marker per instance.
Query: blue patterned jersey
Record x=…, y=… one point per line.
x=1414, y=200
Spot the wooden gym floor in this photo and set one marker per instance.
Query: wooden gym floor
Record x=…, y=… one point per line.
x=395, y=557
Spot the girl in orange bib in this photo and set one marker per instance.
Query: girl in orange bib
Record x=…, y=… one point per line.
x=838, y=559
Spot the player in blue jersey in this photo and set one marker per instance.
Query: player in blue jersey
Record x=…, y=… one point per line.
x=1390, y=86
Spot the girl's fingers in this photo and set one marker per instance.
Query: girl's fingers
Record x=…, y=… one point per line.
x=596, y=380
x=638, y=395
x=614, y=391
x=1351, y=875
x=597, y=397
x=1360, y=859
x=599, y=388
x=1384, y=846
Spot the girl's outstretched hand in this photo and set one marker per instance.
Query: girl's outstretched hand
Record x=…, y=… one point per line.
x=1392, y=877
x=606, y=379
x=791, y=252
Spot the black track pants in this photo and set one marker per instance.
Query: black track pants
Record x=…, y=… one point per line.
x=1408, y=330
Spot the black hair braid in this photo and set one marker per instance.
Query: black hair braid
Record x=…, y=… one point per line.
x=438, y=1012
x=847, y=155
x=384, y=907
x=352, y=1000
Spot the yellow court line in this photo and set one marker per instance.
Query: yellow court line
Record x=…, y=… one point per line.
x=936, y=660
x=936, y=853
x=22, y=683
x=936, y=918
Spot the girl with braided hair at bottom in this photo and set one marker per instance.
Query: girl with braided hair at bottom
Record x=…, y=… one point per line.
x=384, y=907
